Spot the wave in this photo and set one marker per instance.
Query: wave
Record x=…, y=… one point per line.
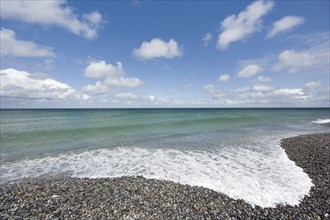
x=263, y=178
x=322, y=121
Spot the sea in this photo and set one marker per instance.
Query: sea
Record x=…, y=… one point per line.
x=233, y=151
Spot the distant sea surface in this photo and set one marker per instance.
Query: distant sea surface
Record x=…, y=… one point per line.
x=234, y=151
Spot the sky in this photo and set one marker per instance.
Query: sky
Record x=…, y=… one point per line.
x=137, y=54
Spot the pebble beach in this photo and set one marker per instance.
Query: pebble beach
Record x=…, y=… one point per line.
x=135, y=197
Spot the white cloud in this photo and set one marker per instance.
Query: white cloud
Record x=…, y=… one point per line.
x=152, y=98
x=314, y=59
x=157, y=48
x=122, y=81
x=212, y=90
x=262, y=79
x=21, y=84
x=52, y=13
x=262, y=88
x=96, y=89
x=209, y=88
x=263, y=95
x=108, y=75
x=285, y=24
x=207, y=38
x=100, y=69
x=242, y=90
x=249, y=71
x=313, y=84
x=235, y=28
x=94, y=18
x=294, y=61
x=224, y=78
x=11, y=46
x=126, y=95
x=288, y=92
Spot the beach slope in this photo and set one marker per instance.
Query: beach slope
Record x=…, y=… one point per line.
x=141, y=198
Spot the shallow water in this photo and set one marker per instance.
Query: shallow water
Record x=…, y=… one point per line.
x=234, y=151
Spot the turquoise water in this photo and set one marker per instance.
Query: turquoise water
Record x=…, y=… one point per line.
x=223, y=149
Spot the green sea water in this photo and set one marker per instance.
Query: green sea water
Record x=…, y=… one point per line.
x=228, y=150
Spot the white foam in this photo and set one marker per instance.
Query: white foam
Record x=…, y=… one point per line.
x=262, y=178
x=321, y=121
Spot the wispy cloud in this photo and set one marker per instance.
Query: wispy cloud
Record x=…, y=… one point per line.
x=52, y=13
x=136, y=3
x=308, y=53
x=313, y=84
x=237, y=27
x=262, y=95
x=295, y=61
x=126, y=95
x=224, y=78
x=207, y=38
x=185, y=86
x=262, y=79
x=249, y=71
x=213, y=91
x=285, y=24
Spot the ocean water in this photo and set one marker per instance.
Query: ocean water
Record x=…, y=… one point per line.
x=233, y=151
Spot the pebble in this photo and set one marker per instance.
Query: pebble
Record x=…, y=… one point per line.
x=135, y=197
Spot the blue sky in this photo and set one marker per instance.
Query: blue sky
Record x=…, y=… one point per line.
x=164, y=54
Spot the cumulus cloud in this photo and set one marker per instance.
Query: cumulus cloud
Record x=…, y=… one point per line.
x=108, y=75
x=238, y=27
x=96, y=89
x=22, y=84
x=11, y=46
x=52, y=13
x=285, y=24
x=207, y=38
x=157, y=48
x=249, y=71
x=224, y=78
x=100, y=69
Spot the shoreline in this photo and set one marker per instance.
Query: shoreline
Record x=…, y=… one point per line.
x=141, y=198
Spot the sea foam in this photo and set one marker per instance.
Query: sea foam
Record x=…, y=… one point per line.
x=322, y=121
x=263, y=178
